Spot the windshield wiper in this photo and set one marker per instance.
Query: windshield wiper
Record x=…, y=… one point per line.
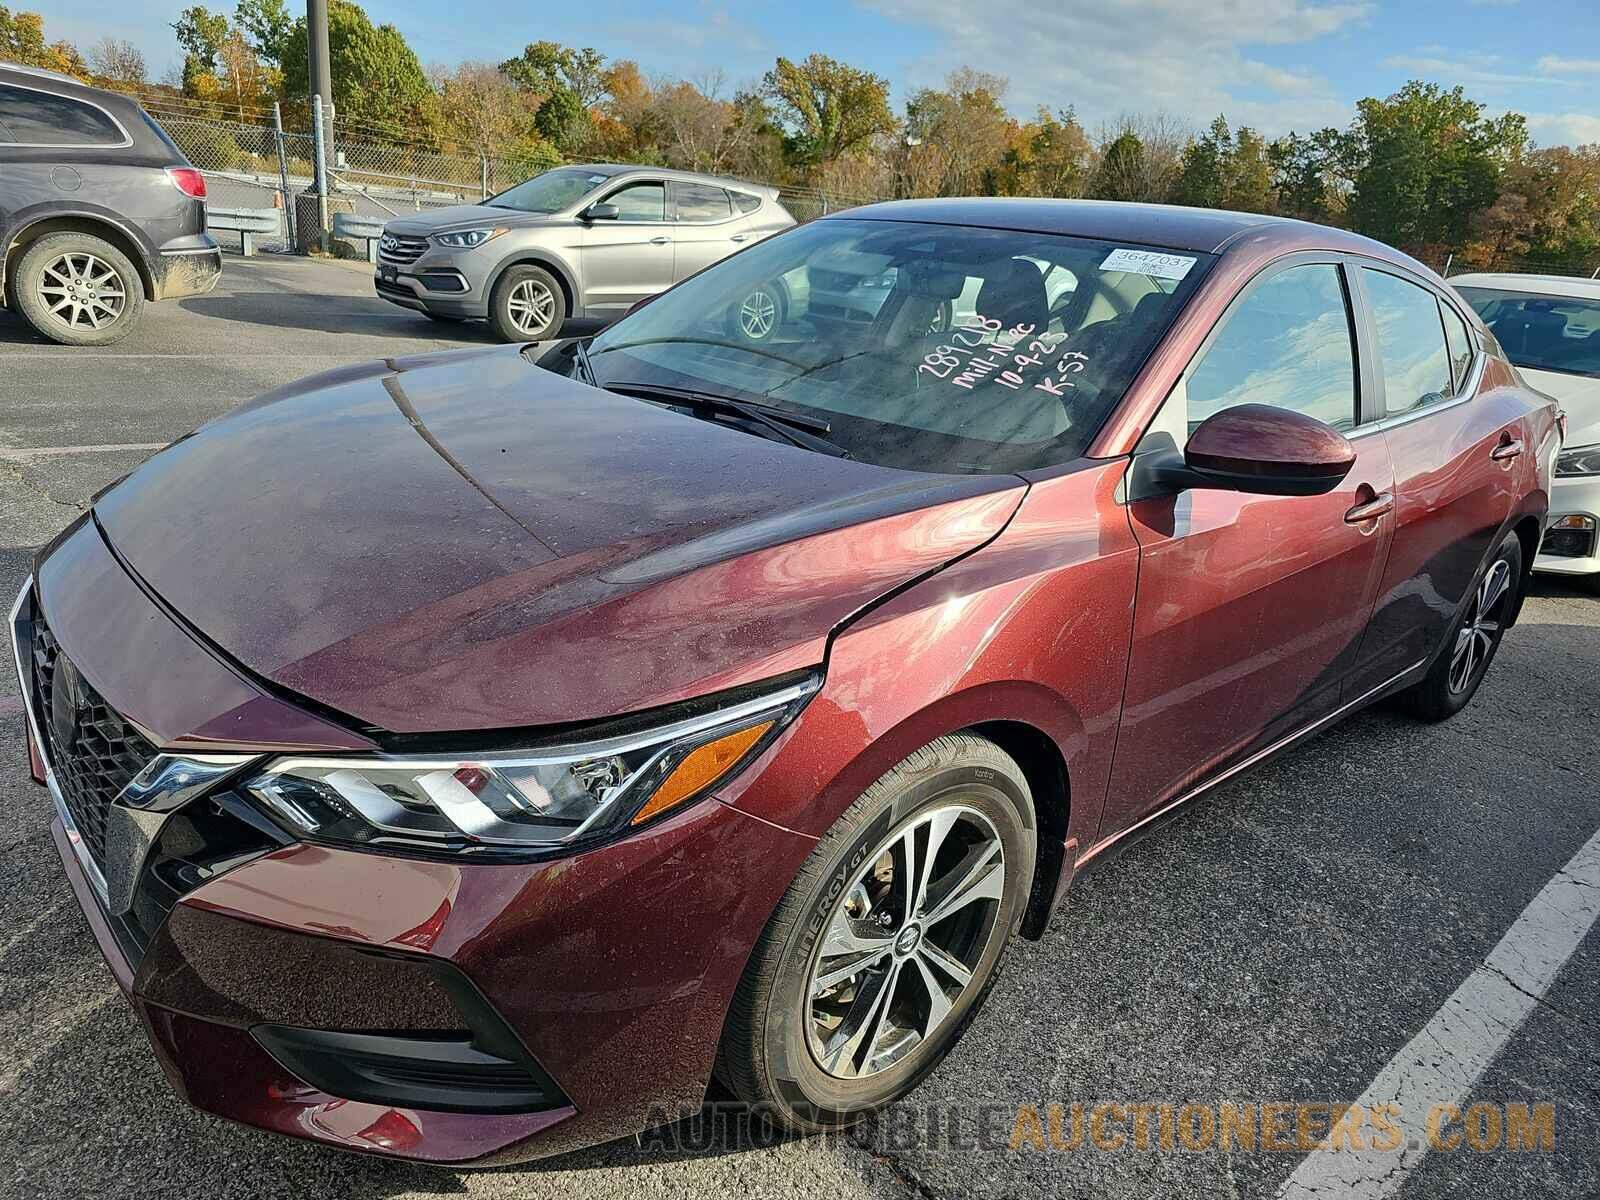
x=805, y=432
x=581, y=353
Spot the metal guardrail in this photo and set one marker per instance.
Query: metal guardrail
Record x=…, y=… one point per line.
x=358, y=227
x=246, y=222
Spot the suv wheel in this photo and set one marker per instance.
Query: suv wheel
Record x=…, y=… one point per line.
x=78, y=289
x=527, y=305
x=757, y=317
x=888, y=940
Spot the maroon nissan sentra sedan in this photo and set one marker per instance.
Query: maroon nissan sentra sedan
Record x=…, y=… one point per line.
x=466, y=756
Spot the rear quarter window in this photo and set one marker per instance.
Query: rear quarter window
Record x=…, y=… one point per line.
x=746, y=203
x=29, y=117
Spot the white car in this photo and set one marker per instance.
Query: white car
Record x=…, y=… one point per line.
x=1549, y=326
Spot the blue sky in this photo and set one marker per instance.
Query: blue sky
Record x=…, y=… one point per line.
x=1275, y=64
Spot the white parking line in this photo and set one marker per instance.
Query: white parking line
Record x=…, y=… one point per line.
x=23, y=453
x=1440, y=1065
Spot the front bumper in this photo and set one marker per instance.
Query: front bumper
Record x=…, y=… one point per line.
x=1572, y=495
x=430, y=286
x=606, y=974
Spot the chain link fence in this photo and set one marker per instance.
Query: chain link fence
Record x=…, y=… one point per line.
x=257, y=165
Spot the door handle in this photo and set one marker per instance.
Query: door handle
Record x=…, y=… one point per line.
x=738, y=237
x=1370, y=510
x=659, y=241
x=1508, y=448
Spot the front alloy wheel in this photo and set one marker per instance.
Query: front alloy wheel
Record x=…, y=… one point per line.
x=887, y=941
x=527, y=304
x=904, y=941
x=756, y=317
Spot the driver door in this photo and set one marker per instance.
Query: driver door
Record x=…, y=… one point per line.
x=1250, y=609
x=630, y=258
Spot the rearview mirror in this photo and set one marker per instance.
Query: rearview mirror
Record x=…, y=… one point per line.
x=1252, y=448
x=601, y=212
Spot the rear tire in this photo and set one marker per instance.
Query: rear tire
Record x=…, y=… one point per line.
x=1472, y=641
x=78, y=290
x=803, y=1041
x=527, y=305
x=759, y=315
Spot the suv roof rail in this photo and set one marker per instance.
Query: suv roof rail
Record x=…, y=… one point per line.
x=41, y=72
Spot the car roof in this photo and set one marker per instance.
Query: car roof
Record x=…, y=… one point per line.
x=66, y=85
x=618, y=169
x=1171, y=226
x=1533, y=285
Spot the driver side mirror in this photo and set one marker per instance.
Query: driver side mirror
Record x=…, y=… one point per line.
x=601, y=212
x=1253, y=448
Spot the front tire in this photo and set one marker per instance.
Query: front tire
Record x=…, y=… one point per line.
x=78, y=290
x=888, y=940
x=1472, y=641
x=527, y=305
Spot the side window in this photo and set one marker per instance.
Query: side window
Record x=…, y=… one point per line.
x=697, y=202
x=1416, y=365
x=29, y=117
x=640, y=202
x=746, y=202
x=1287, y=344
x=1459, y=343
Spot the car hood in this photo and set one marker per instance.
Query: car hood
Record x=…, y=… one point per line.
x=467, y=541
x=1579, y=397
x=463, y=216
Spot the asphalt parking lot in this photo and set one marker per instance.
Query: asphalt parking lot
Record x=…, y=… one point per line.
x=1281, y=943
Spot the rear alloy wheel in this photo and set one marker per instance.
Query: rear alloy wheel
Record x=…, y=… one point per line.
x=78, y=290
x=1472, y=641
x=887, y=941
x=527, y=305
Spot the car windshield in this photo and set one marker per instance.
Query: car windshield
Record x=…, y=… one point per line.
x=550, y=192
x=1542, y=333
x=924, y=347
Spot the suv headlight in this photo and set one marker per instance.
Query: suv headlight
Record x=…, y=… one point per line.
x=537, y=799
x=1580, y=460
x=466, y=239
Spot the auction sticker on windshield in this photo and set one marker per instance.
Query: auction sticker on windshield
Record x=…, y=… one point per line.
x=1148, y=262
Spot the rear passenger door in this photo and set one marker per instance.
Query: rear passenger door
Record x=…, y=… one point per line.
x=704, y=227
x=1455, y=456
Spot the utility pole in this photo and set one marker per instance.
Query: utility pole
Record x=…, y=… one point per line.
x=319, y=73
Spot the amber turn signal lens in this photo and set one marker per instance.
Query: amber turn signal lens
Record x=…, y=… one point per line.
x=701, y=768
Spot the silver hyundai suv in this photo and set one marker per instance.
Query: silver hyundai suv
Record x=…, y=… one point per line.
x=583, y=241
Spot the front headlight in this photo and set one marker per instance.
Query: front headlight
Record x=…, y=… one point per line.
x=1580, y=460
x=538, y=799
x=466, y=239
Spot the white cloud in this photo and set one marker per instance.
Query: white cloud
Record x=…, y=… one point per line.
x=1471, y=70
x=1570, y=66
x=1182, y=57
x=1571, y=129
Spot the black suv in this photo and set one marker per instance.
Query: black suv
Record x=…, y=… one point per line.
x=99, y=211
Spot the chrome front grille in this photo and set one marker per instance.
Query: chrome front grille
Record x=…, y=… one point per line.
x=401, y=248
x=93, y=751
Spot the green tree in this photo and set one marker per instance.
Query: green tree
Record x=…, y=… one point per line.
x=1247, y=178
x=201, y=33
x=1123, y=169
x=965, y=128
x=828, y=107
x=567, y=82
x=1429, y=165
x=377, y=79
x=268, y=25
x=1203, y=179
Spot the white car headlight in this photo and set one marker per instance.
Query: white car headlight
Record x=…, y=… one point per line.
x=1580, y=460
x=466, y=239
x=536, y=799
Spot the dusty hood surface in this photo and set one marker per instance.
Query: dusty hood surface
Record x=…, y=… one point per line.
x=466, y=541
